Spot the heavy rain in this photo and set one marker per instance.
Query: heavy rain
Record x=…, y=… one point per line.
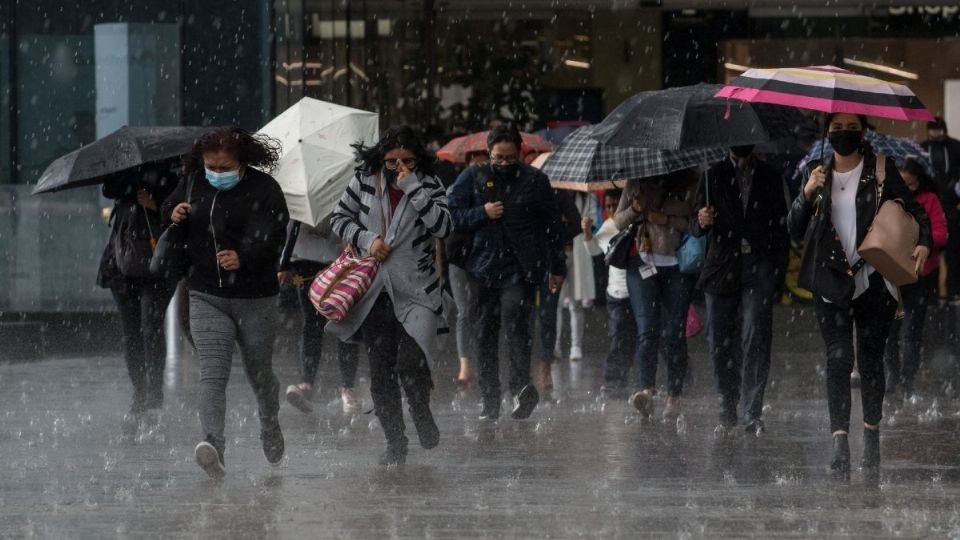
x=506, y=269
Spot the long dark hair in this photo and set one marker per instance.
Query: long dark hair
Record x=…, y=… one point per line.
x=370, y=158
x=258, y=150
x=914, y=167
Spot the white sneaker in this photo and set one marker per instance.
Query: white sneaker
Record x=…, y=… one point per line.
x=576, y=354
x=351, y=403
x=299, y=395
x=209, y=460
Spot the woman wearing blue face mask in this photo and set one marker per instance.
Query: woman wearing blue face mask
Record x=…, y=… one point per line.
x=236, y=221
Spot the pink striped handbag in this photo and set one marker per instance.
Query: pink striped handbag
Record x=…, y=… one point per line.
x=339, y=286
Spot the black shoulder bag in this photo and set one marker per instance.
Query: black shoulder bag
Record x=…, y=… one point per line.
x=170, y=259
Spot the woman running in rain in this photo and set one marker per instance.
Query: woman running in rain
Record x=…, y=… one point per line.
x=839, y=199
x=236, y=225
x=393, y=209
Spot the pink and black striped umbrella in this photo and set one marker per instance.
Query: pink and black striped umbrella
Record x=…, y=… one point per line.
x=827, y=89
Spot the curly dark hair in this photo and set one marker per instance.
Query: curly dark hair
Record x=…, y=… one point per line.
x=258, y=150
x=370, y=158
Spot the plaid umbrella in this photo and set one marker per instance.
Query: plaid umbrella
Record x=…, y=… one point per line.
x=582, y=163
x=457, y=149
x=827, y=89
x=896, y=148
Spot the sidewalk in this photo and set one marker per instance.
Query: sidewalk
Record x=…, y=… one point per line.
x=579, y=468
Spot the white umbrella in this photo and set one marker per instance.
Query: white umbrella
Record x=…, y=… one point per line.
x=317, y=161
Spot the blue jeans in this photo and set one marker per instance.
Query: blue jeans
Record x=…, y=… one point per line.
x=660, y=305
x=742, y=368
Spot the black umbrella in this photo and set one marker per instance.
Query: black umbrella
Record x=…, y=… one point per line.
x=690, y=117
x=126, y=148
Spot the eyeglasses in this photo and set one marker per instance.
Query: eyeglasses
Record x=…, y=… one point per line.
x=499, y=159
x=392, y=164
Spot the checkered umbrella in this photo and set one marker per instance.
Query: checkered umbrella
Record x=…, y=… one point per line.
x=582, y=163
x=895, y=148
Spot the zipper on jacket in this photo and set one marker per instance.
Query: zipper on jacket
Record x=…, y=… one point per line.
x=213, y=231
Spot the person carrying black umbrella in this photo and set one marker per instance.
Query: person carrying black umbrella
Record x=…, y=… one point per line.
x=141, y=297
x=742, y=206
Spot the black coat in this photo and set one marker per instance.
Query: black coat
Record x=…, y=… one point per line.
x=128, y=217
x=763, y=224
x=250, y=219
x=829, y=247
x=531, y=228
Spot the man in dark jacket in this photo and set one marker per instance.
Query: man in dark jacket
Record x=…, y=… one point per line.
x=517, y=238
x=742, y=205
x=945, y=156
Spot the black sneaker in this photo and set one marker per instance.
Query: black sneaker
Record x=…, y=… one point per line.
x=272, y=444
x=210, y=460
x=525, y=402
x=490, y=411
x=755, y=427
x=396, y=454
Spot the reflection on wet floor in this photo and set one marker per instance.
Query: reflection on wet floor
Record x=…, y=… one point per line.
x=582, y=466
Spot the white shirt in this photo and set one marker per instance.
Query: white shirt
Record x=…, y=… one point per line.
x=616, y=277
x=843, y=213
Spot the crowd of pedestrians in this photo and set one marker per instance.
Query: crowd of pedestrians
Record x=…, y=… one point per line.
x=494, y=249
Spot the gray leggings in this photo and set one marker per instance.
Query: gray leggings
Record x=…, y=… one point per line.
x=465, y=296
x=216, y=324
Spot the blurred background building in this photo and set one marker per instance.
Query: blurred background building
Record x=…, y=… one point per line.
x=73, y=70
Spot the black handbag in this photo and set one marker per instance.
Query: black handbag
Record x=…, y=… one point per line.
x=829, y=277
x=133, y=240
x=170, y=259
x=618, y=253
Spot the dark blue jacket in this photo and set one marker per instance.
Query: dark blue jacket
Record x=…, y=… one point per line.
x=528, y=239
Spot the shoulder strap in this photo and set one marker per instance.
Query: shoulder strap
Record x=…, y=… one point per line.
x=881, y=169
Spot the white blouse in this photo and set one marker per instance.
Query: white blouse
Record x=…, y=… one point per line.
x=843, y=213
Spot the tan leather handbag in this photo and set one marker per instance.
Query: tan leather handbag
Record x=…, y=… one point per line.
x=891, y=238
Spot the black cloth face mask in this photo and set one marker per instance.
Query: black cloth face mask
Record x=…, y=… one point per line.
x=845, y=142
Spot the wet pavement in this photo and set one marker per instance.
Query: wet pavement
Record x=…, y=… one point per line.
x=581, y=467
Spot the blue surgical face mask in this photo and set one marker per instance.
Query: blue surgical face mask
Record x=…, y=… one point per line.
x=223, y=181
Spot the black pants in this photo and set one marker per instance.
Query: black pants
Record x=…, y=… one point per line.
x=142, y=304
x=514, y=306
x=742, y=367
x=395, y=360
x=622, y=332
x=871, y=313
x=902, y=355
x=311, y=336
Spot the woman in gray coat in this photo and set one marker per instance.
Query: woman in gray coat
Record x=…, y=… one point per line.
x=394, y=209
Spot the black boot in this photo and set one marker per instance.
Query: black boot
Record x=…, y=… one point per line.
x=841, y=454
x=871, y=449
x=391, y=420
x=423, y=420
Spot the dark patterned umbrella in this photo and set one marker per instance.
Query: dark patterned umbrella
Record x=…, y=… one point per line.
x=126, y=148
x=582, y=163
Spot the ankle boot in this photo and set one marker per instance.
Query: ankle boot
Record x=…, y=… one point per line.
x=391, y=420
x=871, y=449
x=427, y=430
x=841, y=454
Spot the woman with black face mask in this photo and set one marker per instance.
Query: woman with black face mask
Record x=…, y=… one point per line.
x=838, y=202
x=393, y=209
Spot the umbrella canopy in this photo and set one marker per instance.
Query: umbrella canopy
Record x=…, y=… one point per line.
x=555, y=135
x=583, y=163
x=457, y=149
x=895, y=148
x=827, y=89
x=124, y=149
x=317, y=161
x=691, y=117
